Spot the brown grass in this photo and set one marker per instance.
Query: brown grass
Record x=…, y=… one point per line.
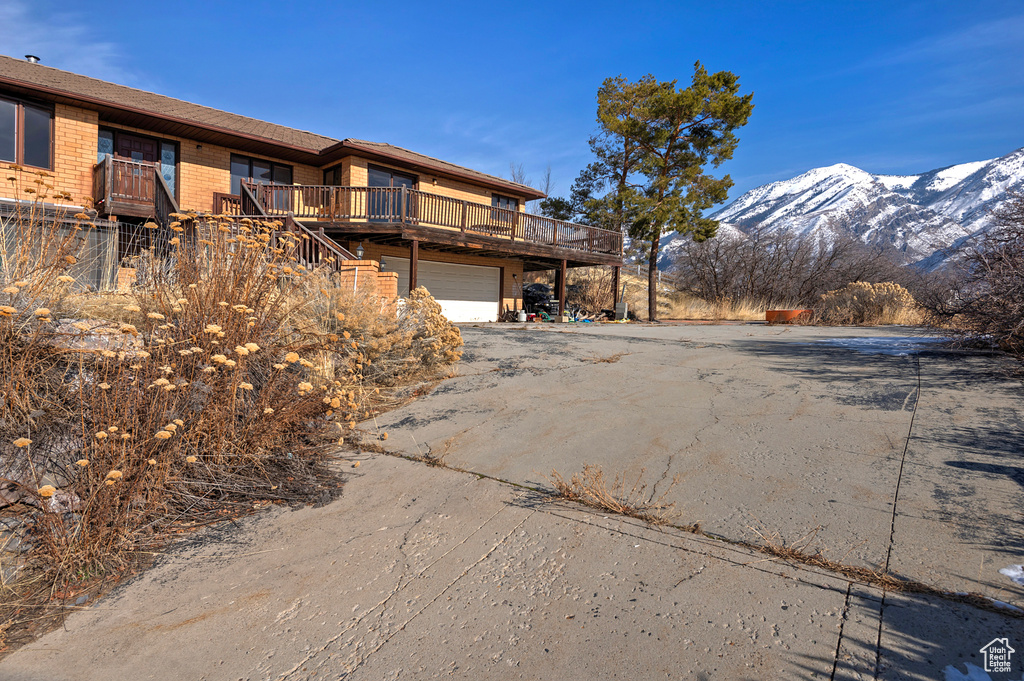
x=592, y=488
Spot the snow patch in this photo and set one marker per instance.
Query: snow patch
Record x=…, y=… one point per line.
x=974, y=673
x=944, y=179
x=896, y=346
x=1015, y=573
x=891, y=182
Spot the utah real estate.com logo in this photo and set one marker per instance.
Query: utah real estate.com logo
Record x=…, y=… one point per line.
x=997, y=654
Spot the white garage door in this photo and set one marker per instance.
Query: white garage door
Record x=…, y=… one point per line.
x=466, y=293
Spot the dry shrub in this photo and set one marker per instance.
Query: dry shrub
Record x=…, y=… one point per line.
x=680, y=305
x=397, y=341
x=861, y=303
x=591, y=488
x=779, y=267
x=221, y=381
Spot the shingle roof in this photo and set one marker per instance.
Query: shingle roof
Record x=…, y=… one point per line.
x=34, y=76
x=78, y=86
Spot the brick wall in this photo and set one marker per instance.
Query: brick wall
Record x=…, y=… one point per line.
x=206, y=168
x=365, y=275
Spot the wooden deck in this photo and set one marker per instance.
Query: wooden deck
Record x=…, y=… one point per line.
x=131, y=188
x=400, y=215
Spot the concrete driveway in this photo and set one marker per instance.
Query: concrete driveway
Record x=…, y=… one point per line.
x=907, y=460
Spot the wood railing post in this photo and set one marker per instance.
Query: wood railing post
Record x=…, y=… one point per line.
x=404, y=199
x=465, y=215
x=414, y=264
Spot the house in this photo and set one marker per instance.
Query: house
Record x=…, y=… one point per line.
x=138, y=156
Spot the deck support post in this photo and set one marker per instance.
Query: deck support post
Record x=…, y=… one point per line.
x=560, y=285
x=615, y=286
x=414, y=261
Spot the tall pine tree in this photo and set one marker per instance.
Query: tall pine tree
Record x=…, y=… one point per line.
x=654, y=146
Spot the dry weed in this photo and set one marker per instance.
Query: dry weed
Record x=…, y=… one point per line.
x=610, y=359
x=592, y=488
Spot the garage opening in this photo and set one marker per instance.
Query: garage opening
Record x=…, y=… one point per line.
x=466, y=293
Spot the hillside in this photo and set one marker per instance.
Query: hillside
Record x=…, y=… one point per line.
x=924, y=217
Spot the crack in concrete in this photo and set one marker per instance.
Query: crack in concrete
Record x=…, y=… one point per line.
x=383, y=602
x=892, y=523
x=441, y=593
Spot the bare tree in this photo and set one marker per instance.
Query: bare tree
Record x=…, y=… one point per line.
x=988, y=303
x=517, y=174
x=781, y=268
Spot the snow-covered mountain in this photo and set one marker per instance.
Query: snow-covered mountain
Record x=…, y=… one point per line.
x=925, y=217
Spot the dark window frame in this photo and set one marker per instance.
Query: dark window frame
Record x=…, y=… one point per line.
x=336, y=169
x=274, y=165
x=19, y=131
x=497, y=199
x=393, y=171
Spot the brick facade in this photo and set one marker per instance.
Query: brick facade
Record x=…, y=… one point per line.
x=74, y=154
x=365, y=275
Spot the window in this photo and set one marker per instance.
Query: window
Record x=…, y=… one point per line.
x=104, y=144
x=26, y=134
x=506, y=202
x=386, y=206
x=499, y=201
x=257, y=170
x=333, y=176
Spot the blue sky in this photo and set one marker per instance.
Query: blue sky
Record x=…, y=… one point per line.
x=891, y=87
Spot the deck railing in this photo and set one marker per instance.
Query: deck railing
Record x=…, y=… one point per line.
x=314, y=248
x=325, y=203
x=120, y=181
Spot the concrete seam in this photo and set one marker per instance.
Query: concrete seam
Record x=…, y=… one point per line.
x=842, y=624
